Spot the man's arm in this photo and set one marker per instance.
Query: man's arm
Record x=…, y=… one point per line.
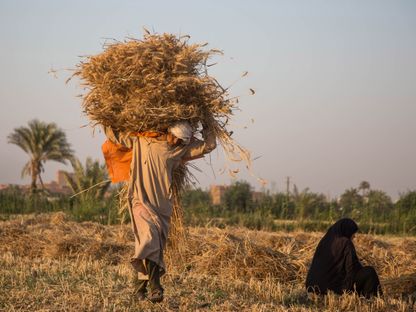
x=198, y=148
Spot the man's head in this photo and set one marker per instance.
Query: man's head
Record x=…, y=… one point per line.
x=180, y=130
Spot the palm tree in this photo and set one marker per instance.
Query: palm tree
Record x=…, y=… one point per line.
x=306, y=202
x=89, y=181
x=379, y=204
x=351, y=201
x=238, y=197
x=42, y=142
x=364, y=187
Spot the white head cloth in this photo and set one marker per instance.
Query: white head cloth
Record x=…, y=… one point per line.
x=182, y=130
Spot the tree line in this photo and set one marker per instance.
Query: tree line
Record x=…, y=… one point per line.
x=372, y=208
x=95, y=200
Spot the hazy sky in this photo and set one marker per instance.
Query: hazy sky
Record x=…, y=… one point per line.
x=335, y=81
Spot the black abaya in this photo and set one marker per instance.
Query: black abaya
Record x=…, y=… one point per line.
x=335, y=265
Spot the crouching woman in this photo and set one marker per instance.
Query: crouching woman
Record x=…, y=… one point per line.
x=335, y=265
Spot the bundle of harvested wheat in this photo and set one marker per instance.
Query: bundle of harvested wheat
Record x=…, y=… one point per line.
x=402, y=285
x=148, y=84
x=214, y=252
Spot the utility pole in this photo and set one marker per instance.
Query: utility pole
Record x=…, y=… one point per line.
x=287, y=186
x=285, y=207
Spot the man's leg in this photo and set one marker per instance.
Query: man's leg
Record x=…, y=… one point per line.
x=156, y=289
x=141, y=290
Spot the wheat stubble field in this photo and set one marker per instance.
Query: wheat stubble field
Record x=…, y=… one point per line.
x=49, y=263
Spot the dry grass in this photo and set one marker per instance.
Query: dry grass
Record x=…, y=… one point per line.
x=48, y=263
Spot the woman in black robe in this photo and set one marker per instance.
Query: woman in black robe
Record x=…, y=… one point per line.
x=335, y=265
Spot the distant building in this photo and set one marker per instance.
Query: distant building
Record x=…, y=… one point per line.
x=257, y=196
x=60, y=186
x=60, y=178
x=217, y=193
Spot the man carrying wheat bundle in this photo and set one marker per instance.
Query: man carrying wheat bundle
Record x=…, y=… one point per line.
x=150, y=194
x=151, y=96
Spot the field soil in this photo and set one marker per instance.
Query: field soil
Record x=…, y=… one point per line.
x=49, y=263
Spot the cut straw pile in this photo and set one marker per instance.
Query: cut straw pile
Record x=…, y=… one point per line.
x=216, y=252
x=401, y=285
x=233, y=254
x=148, y=84
x=50, y=263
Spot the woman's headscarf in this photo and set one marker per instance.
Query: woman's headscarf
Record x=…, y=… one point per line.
x=343, y=228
